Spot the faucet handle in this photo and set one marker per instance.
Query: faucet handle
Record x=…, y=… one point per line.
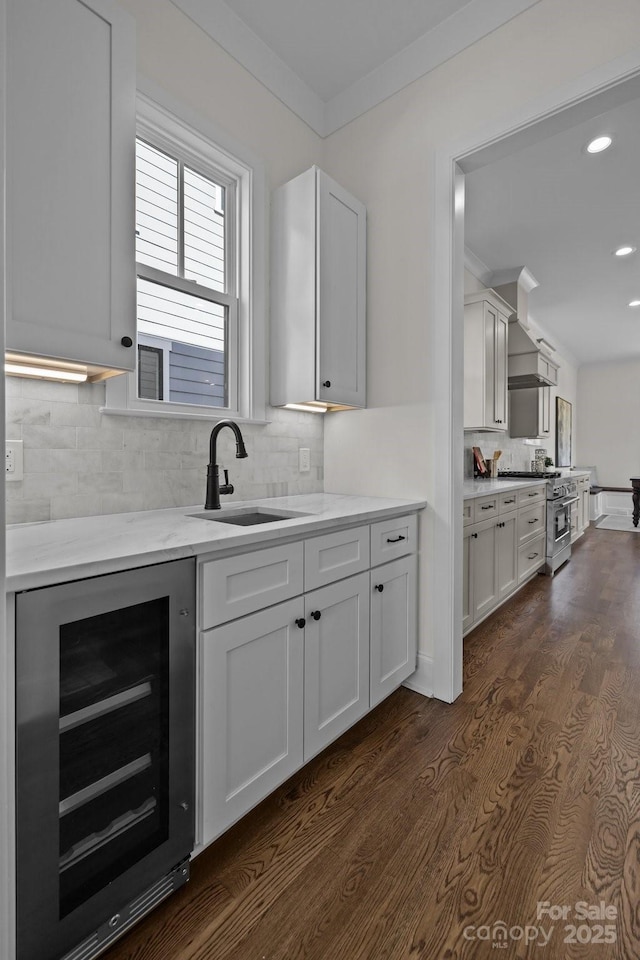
x=226, y=477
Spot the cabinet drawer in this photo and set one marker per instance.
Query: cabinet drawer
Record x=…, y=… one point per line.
x=508, y=502
x=531, y=522
x=235, y=586
x=530, y=558
x=393, y=538
x=486, y=507
x=531, y=495
x=334, y=556
x=467, y=512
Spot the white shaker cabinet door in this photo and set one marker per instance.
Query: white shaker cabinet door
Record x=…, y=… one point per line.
x=393, y=626
x=336, y=667
x=251, y=711
x=71, y=181
x=340, y=291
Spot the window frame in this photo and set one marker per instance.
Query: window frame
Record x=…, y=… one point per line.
x=171, y=127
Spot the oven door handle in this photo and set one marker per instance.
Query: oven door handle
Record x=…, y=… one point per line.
x=564, y=502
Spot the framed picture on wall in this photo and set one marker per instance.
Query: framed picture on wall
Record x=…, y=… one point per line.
x=563, y=433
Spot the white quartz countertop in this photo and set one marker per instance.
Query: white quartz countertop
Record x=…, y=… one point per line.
x=482, y=488
x=40, y=554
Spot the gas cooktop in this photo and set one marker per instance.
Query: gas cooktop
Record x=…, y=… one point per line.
x=525, y=474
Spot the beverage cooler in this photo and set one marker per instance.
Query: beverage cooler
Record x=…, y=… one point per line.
x=105, y=755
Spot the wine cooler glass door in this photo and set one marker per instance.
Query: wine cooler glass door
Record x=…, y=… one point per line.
x=105, y=747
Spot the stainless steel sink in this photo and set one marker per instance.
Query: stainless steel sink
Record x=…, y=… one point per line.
x=248, y=516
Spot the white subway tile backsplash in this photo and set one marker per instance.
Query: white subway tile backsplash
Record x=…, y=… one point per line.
x=99, y=438
x=49, y=390
x=27, y=410
x=28, y=511
x=39, y=486
x=79, y=462
x=83, y=505
x=41, y=437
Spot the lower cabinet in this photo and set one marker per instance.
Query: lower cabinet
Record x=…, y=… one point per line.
x=501, y=552
x=393, y=626
x=279, y=684
x=336, y=660
x=490, y=566
x=252, y=681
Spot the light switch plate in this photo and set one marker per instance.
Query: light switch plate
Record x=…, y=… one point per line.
x=13, y=460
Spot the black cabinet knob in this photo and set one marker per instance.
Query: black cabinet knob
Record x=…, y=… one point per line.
x=126, y=342
x=315, y=614
x=379, y=587
x=326, y=383
x=300, y=622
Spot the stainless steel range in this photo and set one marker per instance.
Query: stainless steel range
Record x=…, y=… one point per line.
x=561, y=493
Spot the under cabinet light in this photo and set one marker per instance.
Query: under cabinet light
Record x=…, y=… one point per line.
x=624, y=251
x=309, y=407
x=13, y=369
x=634, y=303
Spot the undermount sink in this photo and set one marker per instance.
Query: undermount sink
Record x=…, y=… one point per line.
x=247, y=517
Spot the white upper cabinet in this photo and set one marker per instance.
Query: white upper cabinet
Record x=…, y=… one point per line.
x=486, y=337
x=530, y=412
x=318, y=290
x=71, y=181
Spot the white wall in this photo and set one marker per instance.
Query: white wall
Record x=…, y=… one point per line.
x=609, y=404
x=386, y=157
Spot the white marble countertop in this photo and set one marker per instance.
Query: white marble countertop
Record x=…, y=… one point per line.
x=482, y=488
x=40, y=554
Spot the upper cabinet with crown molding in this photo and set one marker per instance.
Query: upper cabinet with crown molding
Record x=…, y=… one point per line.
x=486, y=338
x=71, y=181
x=318, y=289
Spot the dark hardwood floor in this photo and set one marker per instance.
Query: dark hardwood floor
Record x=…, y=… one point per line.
x=427, y=823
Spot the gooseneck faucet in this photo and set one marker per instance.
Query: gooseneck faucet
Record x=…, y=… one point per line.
x=214, y=489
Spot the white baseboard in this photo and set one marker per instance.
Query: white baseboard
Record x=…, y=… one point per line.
x=422, y=680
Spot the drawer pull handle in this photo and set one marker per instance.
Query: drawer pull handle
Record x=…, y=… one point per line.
x=300, y=622
x=395, y=539
x=489, y=506
x=475, y=536
x=532, y=556
x=533, y=521
x=379, y=587
x=513, y=500
x=532, y=494
x=316, y=614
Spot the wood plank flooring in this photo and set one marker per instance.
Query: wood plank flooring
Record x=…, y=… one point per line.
x=425, y=825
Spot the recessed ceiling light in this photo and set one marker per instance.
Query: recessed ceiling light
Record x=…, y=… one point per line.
x=599, y=144
x=634, y=303
x=625, y=251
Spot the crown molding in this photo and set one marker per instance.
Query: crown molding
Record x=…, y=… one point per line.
x=463, y=28
x=227, y=29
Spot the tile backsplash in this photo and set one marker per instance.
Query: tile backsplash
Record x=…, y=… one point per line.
x=79, y=462
x=516, y=454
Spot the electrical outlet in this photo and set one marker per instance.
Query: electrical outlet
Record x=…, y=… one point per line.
x=13, y=460
x=304, y=459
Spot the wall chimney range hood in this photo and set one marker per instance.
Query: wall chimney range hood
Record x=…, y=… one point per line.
x=528, y=365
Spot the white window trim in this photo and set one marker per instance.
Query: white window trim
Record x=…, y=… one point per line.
x=167, y=122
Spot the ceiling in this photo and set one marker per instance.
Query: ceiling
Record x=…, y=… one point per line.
x=330, y=60
x=562, y=212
